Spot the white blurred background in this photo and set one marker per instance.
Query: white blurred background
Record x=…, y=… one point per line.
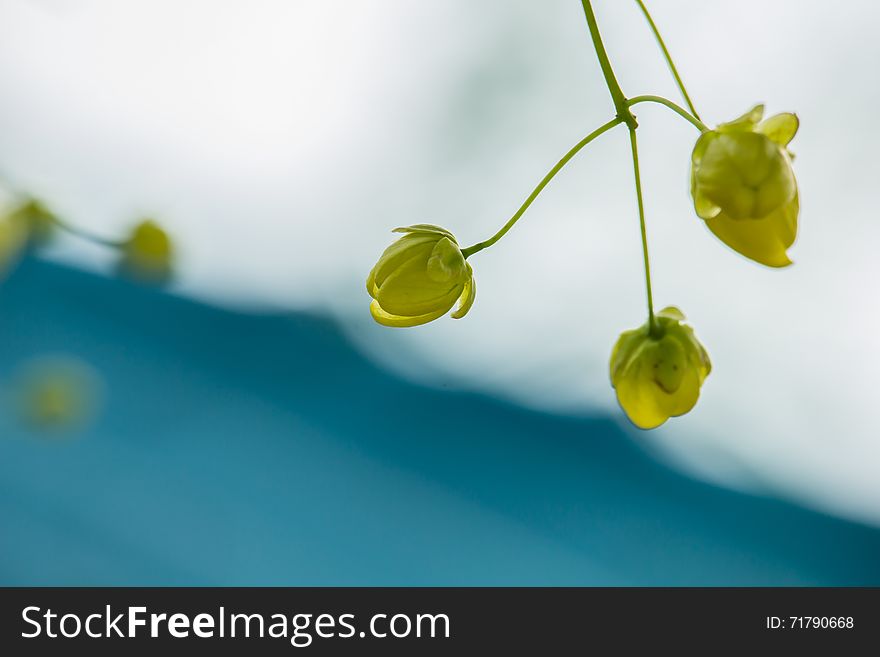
x=280, y=141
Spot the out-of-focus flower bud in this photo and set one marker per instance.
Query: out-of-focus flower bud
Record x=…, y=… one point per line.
x=13, y=238
x=58, y=393
x=744, y=187
x=148, y=252
x=420, y=277
x=659, y=375
x=36, y=220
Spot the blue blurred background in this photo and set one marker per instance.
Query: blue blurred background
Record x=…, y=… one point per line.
x=243, y=449
x=251, y=425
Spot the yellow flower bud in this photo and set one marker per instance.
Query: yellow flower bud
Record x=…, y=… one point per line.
x=36, y=220
x=13, y=238
x=659, y=375
x=147, y=253
x=744, y=187
x=420, y=277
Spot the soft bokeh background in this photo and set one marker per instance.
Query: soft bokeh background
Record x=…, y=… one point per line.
x=280, y=141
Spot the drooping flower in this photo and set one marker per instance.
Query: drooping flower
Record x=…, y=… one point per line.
x=420, y=278
x=743, y=185
x=148, y=252
x=658, y=375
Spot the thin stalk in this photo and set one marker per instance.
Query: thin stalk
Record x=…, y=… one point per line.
x=668, y=57
x=479, y=246
x=86, y=234
x=699, y=125
x=624, y=114
x=652, y=322
x=605, y=64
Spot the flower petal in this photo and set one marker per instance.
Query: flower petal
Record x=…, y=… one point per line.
x=781, y=128
x=671, y=312
x=468, y=295
x=637, y=395
x=686, y=395
x=401, y=321
x=704, y=208
x=409, y=291
x=401, y=251
x=745, y=122
x=624, y=350
x=426, y=228
x=446, y=263
x=762, y=240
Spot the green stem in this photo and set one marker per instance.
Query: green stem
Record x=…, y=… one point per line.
x=668, y=57
x=624, y=114
x=699, y=125
x=617, y=96
x=541, y=185
x=652, y=324
x=85, y=234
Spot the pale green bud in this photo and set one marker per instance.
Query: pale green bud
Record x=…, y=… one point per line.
x=744, y=186
x=420, y=278
x=658, y=375
x=148, y=252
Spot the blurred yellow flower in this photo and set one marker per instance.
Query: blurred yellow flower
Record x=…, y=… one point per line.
x=420, y=277
x=13, y=238
x=744, y=187
x=36, y=220
x=148, y=253
x=58, y=392
x=659, y=375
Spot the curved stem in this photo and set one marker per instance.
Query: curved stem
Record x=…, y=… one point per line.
x=479, y=246
x=82, y=233
x=668, y=57
x=699, y=125
x=85, y=234
x=617, y=96
x=652, y=324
